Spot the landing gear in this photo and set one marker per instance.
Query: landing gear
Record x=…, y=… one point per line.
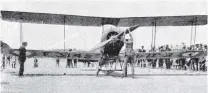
x=107, y=72
x=109, y=63
x=100, y=63
x=97, y=71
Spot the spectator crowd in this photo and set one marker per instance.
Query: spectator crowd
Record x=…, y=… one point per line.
x=195, y=64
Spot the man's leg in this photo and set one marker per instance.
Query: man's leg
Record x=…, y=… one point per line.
x=21, y=70
x=197, y=64
x=117, y=61
x=70, y=64
x=75, y=62
x=193, y=64
x=132, y=68
x=66, y=64
x=88, y=64
x=85, y=64
x=15, y=65
x=98, y=69
x=168, y=63
x=125, y=67
x=12, y=65
x=99, y=66
x=160, y=63
x=3, y=65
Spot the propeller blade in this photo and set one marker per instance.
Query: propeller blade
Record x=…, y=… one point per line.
x=99, y=45
x=120, y=34
x=132, y=28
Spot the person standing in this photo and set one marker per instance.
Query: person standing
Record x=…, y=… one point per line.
x=35, y=63
x=167, y=60
x=202, y=61
x=88, y=63
x=75, y=62
x=129, y=55
x=3, y=62
x=205, y=47
x=69, y=59
x=22, y=58
x=138, y=61
x=143, y=64
x=161, y=61
x=196, y=60
x=14, y=62
x=57, y=62
x=8, y=60
x=201, y=47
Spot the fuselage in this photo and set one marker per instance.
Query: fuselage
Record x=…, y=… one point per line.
x=113, y=47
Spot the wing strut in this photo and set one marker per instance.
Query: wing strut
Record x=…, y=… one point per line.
x=193, y=34
x=154, y=24
x=21, y=34
x=64, y=32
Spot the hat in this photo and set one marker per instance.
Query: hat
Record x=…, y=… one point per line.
x=24, y=43
x=70, y=49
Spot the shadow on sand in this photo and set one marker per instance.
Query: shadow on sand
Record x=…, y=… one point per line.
x=114, y=74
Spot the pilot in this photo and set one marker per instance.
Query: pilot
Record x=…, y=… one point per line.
x=129, y=54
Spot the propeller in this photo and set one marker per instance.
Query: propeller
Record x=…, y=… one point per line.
x=99, y=45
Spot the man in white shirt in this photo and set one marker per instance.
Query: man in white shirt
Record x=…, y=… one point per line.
x=129, y=55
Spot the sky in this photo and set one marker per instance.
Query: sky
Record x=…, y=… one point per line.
x=44, y=36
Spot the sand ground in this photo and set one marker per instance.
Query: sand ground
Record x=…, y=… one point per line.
x=49, y=79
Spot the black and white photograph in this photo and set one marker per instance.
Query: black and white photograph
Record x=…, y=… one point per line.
x=103, y=46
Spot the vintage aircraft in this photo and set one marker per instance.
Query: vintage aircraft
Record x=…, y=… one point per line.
x=108, y=46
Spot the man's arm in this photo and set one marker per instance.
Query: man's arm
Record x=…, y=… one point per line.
x=131, y=37
x=123, y=37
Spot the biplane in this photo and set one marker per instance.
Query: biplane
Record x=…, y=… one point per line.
x=111, y=40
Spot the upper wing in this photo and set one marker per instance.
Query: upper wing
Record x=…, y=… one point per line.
x=47, y=18
x=165, y=20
